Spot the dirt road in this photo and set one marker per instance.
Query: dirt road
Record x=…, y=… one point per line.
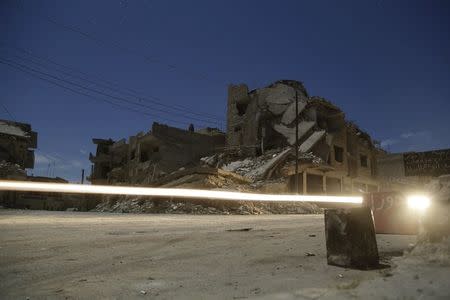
x=70, y=255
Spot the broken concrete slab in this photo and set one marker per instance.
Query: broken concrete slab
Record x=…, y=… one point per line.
x=289, y=114
x=269, y=165
x=311, y=141
x=289, y=132
x=350, y=238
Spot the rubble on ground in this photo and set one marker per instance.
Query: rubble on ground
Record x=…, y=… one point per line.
x=222, y=171
x=133, y=204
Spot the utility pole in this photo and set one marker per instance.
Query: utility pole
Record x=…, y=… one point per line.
x=82, y=176
x=296, y=143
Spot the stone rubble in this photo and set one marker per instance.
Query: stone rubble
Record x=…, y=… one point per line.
x=133, y=204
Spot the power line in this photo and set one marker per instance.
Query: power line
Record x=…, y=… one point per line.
x=113, y=43
x=115, y=87
x=101, y=92
x=88, y=95
x=7, y=111
x=119, y=46
x=115, y=97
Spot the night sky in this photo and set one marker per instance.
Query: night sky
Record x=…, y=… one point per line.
x=385, y=63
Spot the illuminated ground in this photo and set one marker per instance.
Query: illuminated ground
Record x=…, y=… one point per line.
x=85, y=255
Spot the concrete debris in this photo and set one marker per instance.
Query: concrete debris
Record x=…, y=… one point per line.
x=210, y=160
x=265, y=168
x=256, y=168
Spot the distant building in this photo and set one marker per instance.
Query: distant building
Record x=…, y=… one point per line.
x=17, y=143
x=409, y=171
x=148, y=156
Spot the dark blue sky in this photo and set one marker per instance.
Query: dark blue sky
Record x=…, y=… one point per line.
x=385, y=63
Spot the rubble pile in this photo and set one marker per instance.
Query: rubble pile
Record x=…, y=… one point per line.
x=133, y=204
x=257, y=168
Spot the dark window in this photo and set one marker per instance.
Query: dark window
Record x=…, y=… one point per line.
x=133, y=154
x=156, y=149
x=105, y=171
x=144, y=156
x=292, y=184
x=372, y=188
x=333, y=185
x=314, y=184
x=241, y=108
x=363, y=161
x=237, y=128
x=338, y=154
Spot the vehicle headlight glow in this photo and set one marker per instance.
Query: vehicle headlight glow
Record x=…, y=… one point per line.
x=418, y=202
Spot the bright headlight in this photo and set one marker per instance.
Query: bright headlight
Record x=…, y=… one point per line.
x=419, y=202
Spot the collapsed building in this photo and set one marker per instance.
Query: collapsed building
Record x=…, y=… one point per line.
x=336, y=156
x=148, y=156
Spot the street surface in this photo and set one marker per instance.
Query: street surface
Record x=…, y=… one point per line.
x=73, y=255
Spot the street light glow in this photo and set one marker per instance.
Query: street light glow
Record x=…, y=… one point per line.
x=167, y=192
x=418, y=202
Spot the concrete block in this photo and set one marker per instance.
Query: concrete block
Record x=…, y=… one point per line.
x=350, y=238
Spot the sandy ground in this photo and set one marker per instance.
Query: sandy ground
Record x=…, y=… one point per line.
x=70, y=255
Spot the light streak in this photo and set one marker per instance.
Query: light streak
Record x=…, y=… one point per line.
x=28, y=186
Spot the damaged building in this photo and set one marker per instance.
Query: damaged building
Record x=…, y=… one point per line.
x=146, y=157
x=336, y=156
x=17, y=143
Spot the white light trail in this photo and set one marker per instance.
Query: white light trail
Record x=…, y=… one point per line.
x=167, y=192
